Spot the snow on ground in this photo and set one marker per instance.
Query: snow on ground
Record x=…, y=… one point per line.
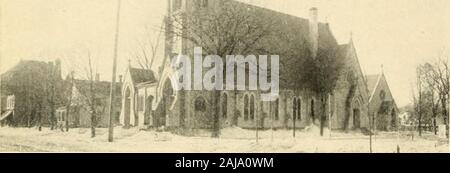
x=234, y=140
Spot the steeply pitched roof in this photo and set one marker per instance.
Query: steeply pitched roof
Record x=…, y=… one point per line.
x=290, y=37
x=372, y=81
x=141, y=75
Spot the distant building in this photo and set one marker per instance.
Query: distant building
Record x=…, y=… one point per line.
x=406, y=119
x=29, y=91
x=81, y=104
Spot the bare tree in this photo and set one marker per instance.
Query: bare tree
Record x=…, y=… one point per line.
x=228, y=29
x=148, y=50
x=429, y=76
x=418, y=100
x=90, y=95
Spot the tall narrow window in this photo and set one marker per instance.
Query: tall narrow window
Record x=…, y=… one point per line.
x=294, y=109
x=312, y=109
x=252, y=107
x=224, y=105
x=299, y=109
x=277, y=104
x=246, y=107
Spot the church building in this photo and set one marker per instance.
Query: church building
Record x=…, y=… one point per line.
x=150, y=101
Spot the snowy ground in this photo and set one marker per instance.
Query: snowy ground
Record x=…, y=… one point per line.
x=234, y=140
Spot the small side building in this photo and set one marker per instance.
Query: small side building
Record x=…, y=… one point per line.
x=382, y=107
x=138, y=103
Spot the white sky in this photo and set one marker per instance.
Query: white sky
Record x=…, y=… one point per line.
x=396, y=33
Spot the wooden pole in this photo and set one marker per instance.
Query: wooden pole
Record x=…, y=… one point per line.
x=370, y=126
x=113, y=81
x=448, y=123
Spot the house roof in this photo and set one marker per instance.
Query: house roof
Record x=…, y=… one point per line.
x=100, y=88
x=142, y=75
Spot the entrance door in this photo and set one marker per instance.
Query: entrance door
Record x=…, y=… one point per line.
x=127, y=112
x=356, y=118
x=148, y=110
x=167, y=100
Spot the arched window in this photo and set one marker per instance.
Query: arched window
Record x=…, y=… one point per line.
x=252, y=107
x=382, y=95
x=224, y=105
x=200, y=104
x=312, y=109
x=294, y=109
x=277, y=104
x=246, y=107
x=299, y=109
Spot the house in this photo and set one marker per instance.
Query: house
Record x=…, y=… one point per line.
x=382, y=106
x=85, y=99
x=30, y=92
x=150, y=101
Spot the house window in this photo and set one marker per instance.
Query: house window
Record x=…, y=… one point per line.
x=252, y=107
x=246, y=107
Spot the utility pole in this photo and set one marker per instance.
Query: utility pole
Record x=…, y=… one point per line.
x=113, y=85
x=370, y=127
x=448, y=123
x=397, y=123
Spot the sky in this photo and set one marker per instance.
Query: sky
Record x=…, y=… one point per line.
x=395, y=34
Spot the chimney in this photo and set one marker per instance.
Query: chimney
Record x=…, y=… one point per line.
x=97, y=77
x=313, y=31
x=120, y=78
